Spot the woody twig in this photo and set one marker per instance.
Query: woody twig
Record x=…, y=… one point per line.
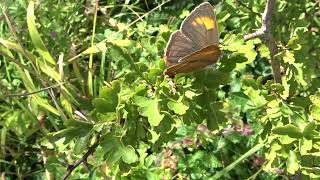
x=265, y=33
x=83, y=160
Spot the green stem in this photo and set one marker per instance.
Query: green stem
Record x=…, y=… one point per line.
x=236, y=162
x=90, y=72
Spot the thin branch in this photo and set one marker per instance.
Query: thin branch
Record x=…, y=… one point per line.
x=38, y=91
x=265, y=33
x=258, y=33
x=83, y=160
x=266, y=22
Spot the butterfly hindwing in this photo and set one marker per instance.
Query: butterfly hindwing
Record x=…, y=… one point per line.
x=196, y=44
x=195, y=61
x=178, y=47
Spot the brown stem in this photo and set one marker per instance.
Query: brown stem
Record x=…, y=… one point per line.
x=264, y=32
x=83, y=160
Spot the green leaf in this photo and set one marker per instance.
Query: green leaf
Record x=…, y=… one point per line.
x=50, y=71
x=149, y=108
x=292, y=163
x=35, y=36
x=256, y=98
x=123, y=42
x=286, y=140
x=36, y=98
x=306, y=146
x=309, y=130
x=16, y=47
x=315, y=99
x=264, y=51
x=100, y=47
x=235, y=43
x=68, y=134
x=178, y=107
x=215, y=116
x=204, y=78
x=315, y=112
x=190, y=94
x=315, y=108
x=240, y=99
x=103, y=106
x=129, y=155
x=81, y=144
x=290, y=130
x=115, y=150
x=108, y=99
x=289, y=57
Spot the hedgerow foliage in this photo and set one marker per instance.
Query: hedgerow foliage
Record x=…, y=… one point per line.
x=77, y=85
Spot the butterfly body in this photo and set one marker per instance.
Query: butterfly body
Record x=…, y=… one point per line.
x=195, y=45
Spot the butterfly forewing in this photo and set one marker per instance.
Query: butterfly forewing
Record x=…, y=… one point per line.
x=196, y=44
x=201, y=27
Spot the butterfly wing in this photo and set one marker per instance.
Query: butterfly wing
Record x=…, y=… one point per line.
x=196, y=44
x=195, y=61
x=200, y=26
x=178, y=47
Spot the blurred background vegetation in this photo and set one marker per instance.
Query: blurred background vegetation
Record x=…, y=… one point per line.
x=82, y=91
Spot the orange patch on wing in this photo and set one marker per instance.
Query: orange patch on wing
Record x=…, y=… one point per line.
x=207, y=21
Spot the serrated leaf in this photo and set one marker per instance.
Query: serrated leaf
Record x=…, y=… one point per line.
x=178, y=107
x=149, y=108
x=249, y=51
x=315, y=108
x=115, y=150
x=113, y=156
x=204, y=78
x=233, y=42
x=239, y=98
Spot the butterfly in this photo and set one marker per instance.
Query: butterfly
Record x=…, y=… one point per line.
x=195, y=45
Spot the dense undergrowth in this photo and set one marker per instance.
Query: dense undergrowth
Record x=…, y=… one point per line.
x=77, y=80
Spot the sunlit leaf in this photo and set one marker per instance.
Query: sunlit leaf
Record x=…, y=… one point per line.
x=292, y=163
x=149, y=108
x=35, y=36
x=178, y=107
